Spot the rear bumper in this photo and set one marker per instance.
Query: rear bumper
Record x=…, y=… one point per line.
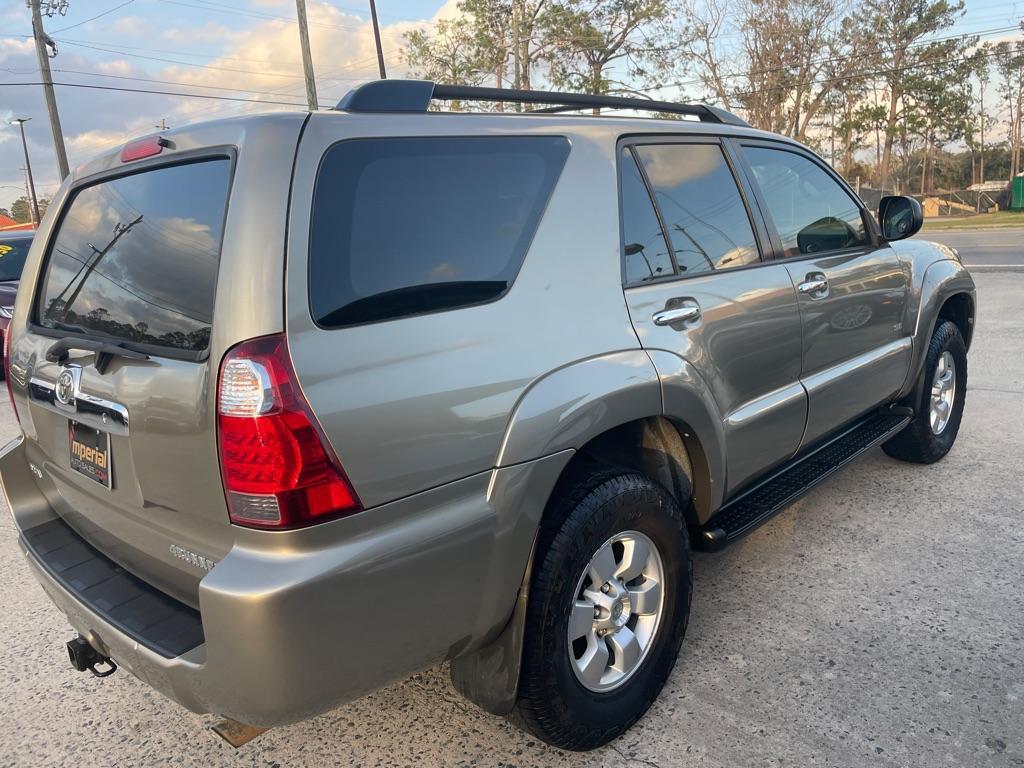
x=297, y=622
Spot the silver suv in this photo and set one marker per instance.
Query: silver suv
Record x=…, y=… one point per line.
x=310, y=402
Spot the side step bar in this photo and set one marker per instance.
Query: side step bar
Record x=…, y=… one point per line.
x=762, y=502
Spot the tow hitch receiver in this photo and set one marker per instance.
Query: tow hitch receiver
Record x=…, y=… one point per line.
x=84, y=657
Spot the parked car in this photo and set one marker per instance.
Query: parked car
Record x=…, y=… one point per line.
x=311, y=402
x=13, y=250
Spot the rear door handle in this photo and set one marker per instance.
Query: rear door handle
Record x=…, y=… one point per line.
x=676, y=315
x=814, y=286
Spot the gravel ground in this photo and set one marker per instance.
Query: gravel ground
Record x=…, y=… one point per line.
x=880, y=621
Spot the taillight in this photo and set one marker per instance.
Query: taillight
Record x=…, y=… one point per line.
x=278, y=469
x=7, y=370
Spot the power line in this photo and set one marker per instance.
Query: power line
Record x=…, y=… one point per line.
x=103, y=43
x=163, y=93
x=182, y=63
x=22, y=72
x=256, y=14
x=97, y=16
x=258, y=73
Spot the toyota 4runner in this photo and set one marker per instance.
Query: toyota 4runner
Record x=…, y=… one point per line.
x=310, y=402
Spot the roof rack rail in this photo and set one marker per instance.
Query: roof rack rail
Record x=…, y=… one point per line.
x=416, y=95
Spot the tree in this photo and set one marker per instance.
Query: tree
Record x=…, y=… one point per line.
x=21, y=209
x=941, y=113
x=608, y=46
x=796, y=62
x=899, y=32
x=976, y=133
x=451, y=54
x=1009, y=58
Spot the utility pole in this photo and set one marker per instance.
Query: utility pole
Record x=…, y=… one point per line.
x=376, y=40
x=43, y=40
x=20, y=122
x=307, y=57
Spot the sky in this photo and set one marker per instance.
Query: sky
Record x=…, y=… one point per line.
x=228, y=48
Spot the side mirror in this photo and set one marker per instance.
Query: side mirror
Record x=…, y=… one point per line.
x=900, y=217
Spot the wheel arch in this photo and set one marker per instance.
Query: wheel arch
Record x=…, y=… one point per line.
x=946, y=292
x=620, y=421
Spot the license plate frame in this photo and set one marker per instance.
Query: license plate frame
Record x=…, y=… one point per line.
x=89, y=453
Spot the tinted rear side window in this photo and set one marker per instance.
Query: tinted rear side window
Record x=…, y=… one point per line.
x=643, y=242
x=406, y=226
x=701, y=206
x=135, y=258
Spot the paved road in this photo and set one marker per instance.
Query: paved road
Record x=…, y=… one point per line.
x=878, y=622
x=986, y=248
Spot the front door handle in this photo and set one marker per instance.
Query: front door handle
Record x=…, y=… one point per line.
x=815, y=286
x=676, y=315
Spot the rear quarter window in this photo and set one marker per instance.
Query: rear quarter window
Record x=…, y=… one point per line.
x=135, y=258
x=406, y=226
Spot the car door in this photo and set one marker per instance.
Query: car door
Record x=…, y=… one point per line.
x=696, y=286
x=852, y=288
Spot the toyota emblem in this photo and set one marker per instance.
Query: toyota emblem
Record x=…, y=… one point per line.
x=65, y=389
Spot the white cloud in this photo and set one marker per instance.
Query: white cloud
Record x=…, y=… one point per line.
x=128, y=26
x=211, y=32
x=13, y=48
x=343, y=50
x=262, y=57
x=90, y=143
x=120, y=67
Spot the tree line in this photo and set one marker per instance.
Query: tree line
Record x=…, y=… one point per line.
x=886, y=89
x=21, y=209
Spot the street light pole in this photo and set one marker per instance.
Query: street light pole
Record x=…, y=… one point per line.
x=20, y=122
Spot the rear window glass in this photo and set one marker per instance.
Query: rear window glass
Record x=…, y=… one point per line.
x=135, y=258
x=407, y=226
x=12, y=256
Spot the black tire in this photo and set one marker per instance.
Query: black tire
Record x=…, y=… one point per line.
x=917, y=442
x=552, y=703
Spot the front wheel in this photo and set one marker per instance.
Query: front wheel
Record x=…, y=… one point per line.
x=940, y=408
x=607, y=610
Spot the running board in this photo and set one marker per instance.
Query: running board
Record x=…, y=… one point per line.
x=762, y=502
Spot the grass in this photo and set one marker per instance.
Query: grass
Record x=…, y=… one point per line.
x=981, y=221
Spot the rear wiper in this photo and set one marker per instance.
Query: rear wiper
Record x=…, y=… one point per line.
x=62, y=326
x=105, y=351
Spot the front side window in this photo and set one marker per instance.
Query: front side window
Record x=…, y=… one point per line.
x=701, y=206
x=405, y=226
x=135, y=258
x=811, y=211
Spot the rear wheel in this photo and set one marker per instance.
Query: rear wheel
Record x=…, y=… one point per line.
x=940, y=408
x=608, y=606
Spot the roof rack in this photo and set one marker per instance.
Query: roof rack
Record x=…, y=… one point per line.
x=416, y=95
